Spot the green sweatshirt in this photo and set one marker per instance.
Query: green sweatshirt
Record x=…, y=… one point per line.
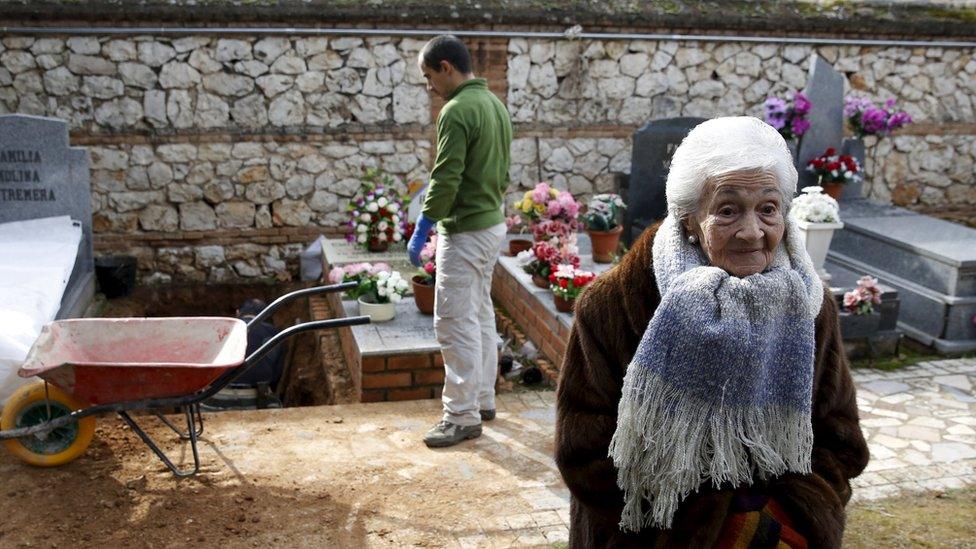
x=470, y=174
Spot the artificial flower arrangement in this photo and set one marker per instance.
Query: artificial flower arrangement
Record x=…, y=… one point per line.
x=546, y=202
x=428, y=261
x=603, y=212
x=866, y=118
x=861, y=300
x=789, y=120
x=566, y=283
x=376, y=282
x=376, y=213
x=544, y=256
x=813, y=206
x=833, y=170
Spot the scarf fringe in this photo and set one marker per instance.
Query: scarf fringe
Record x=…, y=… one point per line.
x=667, y=445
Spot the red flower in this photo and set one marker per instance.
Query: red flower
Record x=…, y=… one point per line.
x=833, y=166
x=563, y=283
x=830, y=152
x=552, y=278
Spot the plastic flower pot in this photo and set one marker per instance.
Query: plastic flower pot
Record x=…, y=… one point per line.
x=423, y=295
x=605, y=243
x=816, y=237
x=540, y=281
x=517, y=245
x=563, y=305
x=377, y=312
x=833, y=189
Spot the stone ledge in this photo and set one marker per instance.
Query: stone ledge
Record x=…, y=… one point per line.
x=941, y=20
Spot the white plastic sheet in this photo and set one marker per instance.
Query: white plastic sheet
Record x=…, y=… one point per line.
x=36, y=259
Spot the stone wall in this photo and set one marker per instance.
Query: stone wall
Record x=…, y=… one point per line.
x=218, y=158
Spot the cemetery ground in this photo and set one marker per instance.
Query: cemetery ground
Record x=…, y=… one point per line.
x=359, y=475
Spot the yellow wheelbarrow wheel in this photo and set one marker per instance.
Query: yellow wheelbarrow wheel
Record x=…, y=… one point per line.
x=32, y=405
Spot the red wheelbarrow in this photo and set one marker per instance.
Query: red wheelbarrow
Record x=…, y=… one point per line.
x=91, y=366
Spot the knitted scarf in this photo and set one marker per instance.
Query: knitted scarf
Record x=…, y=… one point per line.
x=720, y=387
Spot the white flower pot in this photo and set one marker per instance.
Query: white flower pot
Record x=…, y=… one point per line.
x=377, y=312
x=816, y=237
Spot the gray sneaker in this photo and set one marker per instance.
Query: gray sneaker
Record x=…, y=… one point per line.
x=446, y=433
x=487, y=415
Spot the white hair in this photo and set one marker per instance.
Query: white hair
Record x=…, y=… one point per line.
x=724, y=145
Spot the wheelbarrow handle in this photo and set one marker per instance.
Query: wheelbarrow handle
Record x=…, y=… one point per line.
x=278, y=303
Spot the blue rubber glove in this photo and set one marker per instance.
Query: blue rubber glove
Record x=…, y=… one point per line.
x=420, y=231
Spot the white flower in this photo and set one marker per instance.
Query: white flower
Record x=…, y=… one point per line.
x=366, y=217
x=362, y=228
x=383, y=225
x=397, y=237
x=361, y=238
x=395, y=298
x=382, y=291
x=372, y=207
x=395, y=218
x=381, y=237
x=392, y=208
x=382, y=276
x=382, y=201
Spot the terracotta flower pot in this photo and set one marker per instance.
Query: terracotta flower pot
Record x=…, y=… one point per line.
x=605, y=244
x=377, y=246
x=423, y=295
x=518, y=245
x=833, y=189
x=563, y=305
x=540, y=281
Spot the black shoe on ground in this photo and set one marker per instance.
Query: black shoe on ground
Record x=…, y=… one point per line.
x=487, y=415
x=446, y=434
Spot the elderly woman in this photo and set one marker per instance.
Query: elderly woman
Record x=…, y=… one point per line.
x=705, y=398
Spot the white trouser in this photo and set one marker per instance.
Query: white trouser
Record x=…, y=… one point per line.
x=464, y=321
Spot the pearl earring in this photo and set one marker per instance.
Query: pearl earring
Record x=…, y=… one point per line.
x=692, y=239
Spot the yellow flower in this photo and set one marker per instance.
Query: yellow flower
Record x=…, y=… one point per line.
x=540, y=208
x=526, y=206
x=517, y=205
x=553, y=193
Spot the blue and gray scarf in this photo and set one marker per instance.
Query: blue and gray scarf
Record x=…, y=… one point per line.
x=720, y=387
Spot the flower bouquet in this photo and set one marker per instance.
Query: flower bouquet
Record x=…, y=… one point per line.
x=834, y=170
x=859, y=319
x=544, y=203
x=566, y=283
x=866, y=118
x=601, y=218
x=790, y=120
x=817, y=217
x=376, y=213
x=423, y=281
x=378, y=291
x=541, y=260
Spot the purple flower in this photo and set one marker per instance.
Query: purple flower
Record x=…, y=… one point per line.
x=800, y=126
x=890, y=104
x=874, y=120
x=854, y=105
x=350, y=237
x=775, y=112
x=898, y=120
x=801, y=105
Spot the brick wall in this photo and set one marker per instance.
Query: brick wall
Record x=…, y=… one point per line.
x=402, y=377
x=549, y=335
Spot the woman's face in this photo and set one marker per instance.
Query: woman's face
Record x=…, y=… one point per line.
x=739, y=221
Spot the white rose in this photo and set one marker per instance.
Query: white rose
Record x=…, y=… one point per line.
x=361, y=238
x=381, y=237
x=365, y=217
x=372, y=207
x=395, y=219
x=383, y=225
x=392, y=208
x=362, y=228
x=382, y=201
x=397, y=237
x=381, y=291
x=395, y=298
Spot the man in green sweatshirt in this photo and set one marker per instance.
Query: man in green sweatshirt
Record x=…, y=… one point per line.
x=465, y=200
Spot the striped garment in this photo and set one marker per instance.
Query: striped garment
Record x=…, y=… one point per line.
x=756, y=521
x=720, y=387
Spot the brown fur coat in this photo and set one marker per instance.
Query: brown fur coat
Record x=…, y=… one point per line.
x=611, y=317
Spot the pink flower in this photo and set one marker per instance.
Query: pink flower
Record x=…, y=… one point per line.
x=851, y=299
x=429, y=268
x=540, y=194
x=553, y=208
x=336, y=275
x=378, y=267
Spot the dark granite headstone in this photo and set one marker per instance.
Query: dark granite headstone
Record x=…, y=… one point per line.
x=653, y=146
x=41, y=176
x=825, y=90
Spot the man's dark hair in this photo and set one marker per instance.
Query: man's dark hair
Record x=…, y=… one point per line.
x=252, y=307
x=446, y=48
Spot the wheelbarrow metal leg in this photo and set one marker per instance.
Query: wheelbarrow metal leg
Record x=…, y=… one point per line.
x=190, y=429
x=195, y=408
